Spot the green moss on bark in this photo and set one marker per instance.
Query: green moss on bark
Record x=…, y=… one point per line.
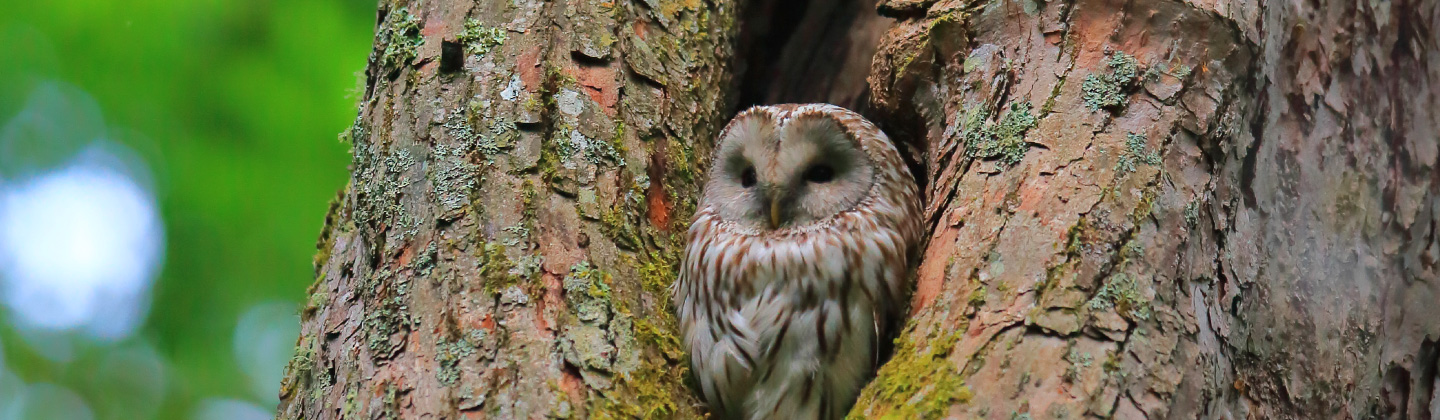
x=917, y=383
x=1122, y=293
x=1108, y=91
x=402, y=39
x=494, y=267
x=1003, y=140
x=479, y=39
x=1136, y=152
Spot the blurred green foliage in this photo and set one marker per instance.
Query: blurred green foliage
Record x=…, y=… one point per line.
x=235, y=105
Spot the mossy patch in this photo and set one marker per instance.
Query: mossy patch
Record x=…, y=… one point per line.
x=316, y=300
x=300, y=371
x=351, y=409
x=977, y=297
x=1145, y=207
x=663, y=339
x=527, y=266
x=1049, y=104
x=1121, y=292
x=596, y=152
x=519, y=233
x=1136, y=152
x=452, y=180
x=477, y=129
x=502, y=135
x=328, y=233
x=918, y=383
x=600, y=338
x=389, y=407
x=1132, y=249
x=641, y=395
x=496, y=271
x=479, y=39
x=1108, y=91
x=402, y=39
x=588, y=340
x=424, y=263
x=1003, y=140
x=1182, y=71
x=612, y=347
x=657, y=274
x=380, y=175
x=618, y=223
x=617, y=140
x=587, y=284
x=448, y=355
x=385, y=328
x=1077, y=361
x=681, y=185
x=615, y=225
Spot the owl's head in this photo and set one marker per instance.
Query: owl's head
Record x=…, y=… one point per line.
x=783, y=166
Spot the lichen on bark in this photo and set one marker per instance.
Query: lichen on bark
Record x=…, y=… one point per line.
x=1219, y=209
x=522, y=175
x=1219, y=215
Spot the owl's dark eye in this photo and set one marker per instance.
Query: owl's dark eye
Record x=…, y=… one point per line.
x=820, y=174
x=747, y=177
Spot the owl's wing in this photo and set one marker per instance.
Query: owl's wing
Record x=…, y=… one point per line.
x=727, y=365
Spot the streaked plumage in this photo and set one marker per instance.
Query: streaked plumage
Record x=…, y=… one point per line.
x=798, y=262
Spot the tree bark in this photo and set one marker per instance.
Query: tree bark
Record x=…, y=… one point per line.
x=1168, y=209
x=1157, y=208
x=522, y=179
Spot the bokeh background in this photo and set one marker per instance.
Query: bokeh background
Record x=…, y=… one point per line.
x=165, y=167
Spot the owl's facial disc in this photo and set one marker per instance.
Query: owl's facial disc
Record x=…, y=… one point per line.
x=770, y=177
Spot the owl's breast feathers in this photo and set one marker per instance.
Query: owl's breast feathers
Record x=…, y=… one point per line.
x=787, y=323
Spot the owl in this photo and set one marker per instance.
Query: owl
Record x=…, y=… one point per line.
x=797, y=264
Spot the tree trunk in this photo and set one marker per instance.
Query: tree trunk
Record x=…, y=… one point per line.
x=1164, y=209
x=522, y=180
x=1201, y=209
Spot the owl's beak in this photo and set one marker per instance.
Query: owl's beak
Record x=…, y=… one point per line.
x=775, y=212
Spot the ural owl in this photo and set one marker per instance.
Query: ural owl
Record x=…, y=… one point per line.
x=797, y=262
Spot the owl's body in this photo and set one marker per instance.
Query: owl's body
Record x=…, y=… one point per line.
x=797, y=263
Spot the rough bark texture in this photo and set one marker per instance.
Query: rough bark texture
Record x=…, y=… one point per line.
x=1168, y=209
x=1142, y=208
x=524, y=171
